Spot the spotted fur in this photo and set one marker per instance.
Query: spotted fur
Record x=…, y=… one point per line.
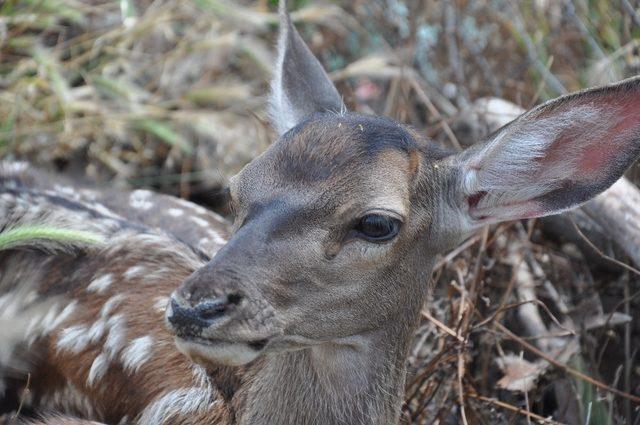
x=79, y=358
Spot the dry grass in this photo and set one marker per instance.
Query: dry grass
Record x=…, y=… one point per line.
x=169, y=94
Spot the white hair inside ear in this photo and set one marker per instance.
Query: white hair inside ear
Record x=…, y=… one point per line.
x=553, y=157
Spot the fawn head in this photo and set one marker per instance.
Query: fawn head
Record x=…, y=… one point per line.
x=338, y=222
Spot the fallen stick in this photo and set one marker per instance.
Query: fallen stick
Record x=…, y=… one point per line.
x=617, y=211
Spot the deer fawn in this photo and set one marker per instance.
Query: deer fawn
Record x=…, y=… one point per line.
x=305, y=315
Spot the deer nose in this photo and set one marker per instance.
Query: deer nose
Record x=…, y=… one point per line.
x=191, y=320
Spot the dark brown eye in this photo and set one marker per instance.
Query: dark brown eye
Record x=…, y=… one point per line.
x=378, y=227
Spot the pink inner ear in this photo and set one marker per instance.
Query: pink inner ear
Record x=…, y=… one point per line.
x=595, y=158
x=600, y=153
x=599, y=146
x=588, y=140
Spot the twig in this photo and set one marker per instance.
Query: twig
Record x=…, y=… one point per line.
x=627, y=350
x=518, y=304
x=526, y=399
x=541, y=86
x=515, y=409
x=461, y=370
x=602, y=254
x=23, y=396
x=631, y=11
x=450, y=26
x=515, y=20
x=571, y=11
x=454, y=253
x=424, y=98
x=446, y=329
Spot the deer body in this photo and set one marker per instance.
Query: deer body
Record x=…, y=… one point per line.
x=87, y=319
x=305, y=315
x=95, y=344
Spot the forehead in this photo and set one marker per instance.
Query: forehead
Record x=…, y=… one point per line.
x=351, y=156
x=327, y=145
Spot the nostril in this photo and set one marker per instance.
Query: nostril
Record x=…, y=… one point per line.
x=183, y=317
x=258, y=345
x=203, y=314
x=234, y=299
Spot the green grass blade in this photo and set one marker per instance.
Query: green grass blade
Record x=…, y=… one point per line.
x=165, y=133
x=24, y=235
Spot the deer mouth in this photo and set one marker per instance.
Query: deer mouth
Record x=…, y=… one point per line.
x=229, y=330
x=219, y=351
x=217, y=332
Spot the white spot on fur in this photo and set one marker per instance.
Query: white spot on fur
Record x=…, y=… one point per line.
x=175, y=212
x=117, y=335
x=181, y=402
x=137, y=353
x=100, y=284
x=31, y=297
x=33, y=328
x=201, y=376
x=15, y=167
x=97, y=330
x=104, y=324
x=216, y=237
x=158, y=245
x=89, y=195
x=99, y=367
x=9, y=304
x=134, y=271
x=111, y=303
x=217, y=217
x=203, y=243
x=160, y=304
x=73, y=338
x=69, y=399
x=48, y=320
x=199, y=221
x=140, y=200
x=52, y=320
x=67, y=191
x=102, y=209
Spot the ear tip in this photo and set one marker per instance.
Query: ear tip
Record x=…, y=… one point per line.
x=283, y=11
x=634, y=82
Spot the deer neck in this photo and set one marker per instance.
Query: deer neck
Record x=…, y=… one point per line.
x=358, y=380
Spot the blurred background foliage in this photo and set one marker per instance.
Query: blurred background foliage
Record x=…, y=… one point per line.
x=170, y=94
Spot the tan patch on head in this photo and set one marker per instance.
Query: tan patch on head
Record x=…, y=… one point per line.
x=389, y=181
x=414, y=163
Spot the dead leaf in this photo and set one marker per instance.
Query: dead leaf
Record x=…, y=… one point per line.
x=519, y=374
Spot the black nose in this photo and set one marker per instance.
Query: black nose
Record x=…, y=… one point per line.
x=191, y=320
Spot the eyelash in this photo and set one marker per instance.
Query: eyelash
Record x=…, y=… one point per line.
x=377, y=227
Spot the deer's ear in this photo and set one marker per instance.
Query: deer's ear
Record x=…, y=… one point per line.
x=551, y=158
x=301, y=86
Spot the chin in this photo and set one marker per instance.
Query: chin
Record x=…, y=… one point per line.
x=220, y=353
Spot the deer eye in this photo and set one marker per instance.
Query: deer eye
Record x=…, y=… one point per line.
x=377, y=227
